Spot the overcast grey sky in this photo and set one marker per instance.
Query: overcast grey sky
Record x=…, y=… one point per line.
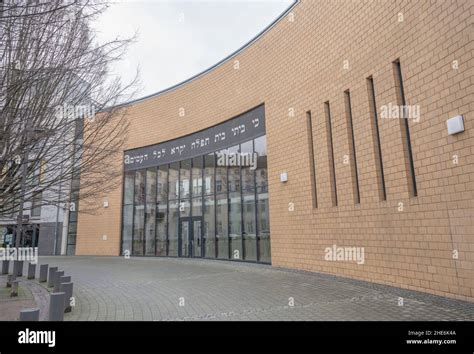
x=180, y=38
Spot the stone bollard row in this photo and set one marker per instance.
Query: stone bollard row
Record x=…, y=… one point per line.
x=29, y=314
x=56, y=306
x=51, y=276
x=14, y=288
x=31, y=271
x=10, y=278
x=57, y=280
x=43, y=276
x=5, y=266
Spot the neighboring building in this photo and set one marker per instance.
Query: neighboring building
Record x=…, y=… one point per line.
x=345, y=184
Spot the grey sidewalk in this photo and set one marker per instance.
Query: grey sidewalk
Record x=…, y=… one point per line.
x=114, y=288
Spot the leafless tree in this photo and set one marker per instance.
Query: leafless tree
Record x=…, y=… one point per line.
x=60, y=112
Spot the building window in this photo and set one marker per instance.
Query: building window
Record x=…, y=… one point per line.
x=36, y=205
x=197, y=208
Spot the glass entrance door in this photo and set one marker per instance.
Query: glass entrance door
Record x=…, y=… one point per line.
x=190, y=237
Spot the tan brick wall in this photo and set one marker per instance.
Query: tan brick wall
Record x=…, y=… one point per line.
x=299, y=64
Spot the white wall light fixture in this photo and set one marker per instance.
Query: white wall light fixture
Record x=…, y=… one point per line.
x=455, y=125
x=284, y=177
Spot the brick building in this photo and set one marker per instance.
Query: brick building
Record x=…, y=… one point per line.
x=346, y=105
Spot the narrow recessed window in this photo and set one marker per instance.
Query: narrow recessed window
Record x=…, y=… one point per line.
x=352, y=148
x=376, y=139
x=332, y=166
x=312, y=162
x=403, y=109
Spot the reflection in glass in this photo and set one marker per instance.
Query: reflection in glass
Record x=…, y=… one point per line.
x=250, y=235
x=185, y=176
x=235, y=226
x=232, y=224
x=234, y=172
x=184, y=208
x=248, y=174
x=161, y=230
x=162, y=184
x=185, y=234
x=197, y=238
x=138, y=230
x=173, y=175
x=128, y=187
x=173, y=228
x=140, y=187
x=209, y=161
x=222, y=231
x=197, y=207
x=261, y=172
x=150, y=230
x=209, y=228
x=127, y=229
x=263, y=224
x=196, y=176
x=221, y=177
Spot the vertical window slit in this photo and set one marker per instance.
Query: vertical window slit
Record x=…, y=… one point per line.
x=350, y=127
x=312, y=163
x=376, y=138
x=402, y=101
x=332, y=166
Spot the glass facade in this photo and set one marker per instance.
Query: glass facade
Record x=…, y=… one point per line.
x=198, y=207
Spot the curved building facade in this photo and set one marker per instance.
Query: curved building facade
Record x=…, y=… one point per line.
x=322, y=145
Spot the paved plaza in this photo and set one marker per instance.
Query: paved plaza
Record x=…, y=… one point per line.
x=136, y=289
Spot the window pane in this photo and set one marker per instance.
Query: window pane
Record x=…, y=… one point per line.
x=128, y=187
x=261, y=172
x=222, y=227
x=161, y=217
x=197, y=176
x=221, y=177
x=209, y=166
x=250, y=235
x=173, y=175
x=173, y=229
x=197, y=206
x=185, y=176
x=263, y=228
x=127, y=229
x=162, y=184
x=235, y=226
x=151, y=186
x=234, y=172
x=248, y=172
x=36, y=204
x=184, y=208
x=138, y=230
x=209, y=228
x=140, y=187
x=150, y=230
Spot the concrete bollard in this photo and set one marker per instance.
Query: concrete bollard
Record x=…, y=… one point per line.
x=20, y=269
x=64, y=279
x=10, y=278
x=43, y=273
x=16, y=268
x=31, y=271
x=51, y=276
x=66, y=288
x=14, y=290
x=56, y=307
x=58, y=275
x=29, y=315
x=5, y=266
